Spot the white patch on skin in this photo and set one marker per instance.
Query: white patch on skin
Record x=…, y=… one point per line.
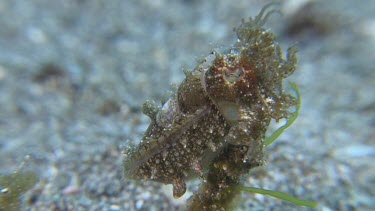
x=168, y=191
x=230, y=111
x=168, y=112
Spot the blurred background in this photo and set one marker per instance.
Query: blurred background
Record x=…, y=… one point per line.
x=74, y=74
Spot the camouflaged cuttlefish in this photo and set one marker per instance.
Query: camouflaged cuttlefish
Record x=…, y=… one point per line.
x=228, y=99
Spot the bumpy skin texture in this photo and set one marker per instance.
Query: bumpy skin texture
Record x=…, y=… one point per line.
x=214, y=125
x=181, y=139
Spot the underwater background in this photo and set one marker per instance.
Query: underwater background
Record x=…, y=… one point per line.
x=74, y=74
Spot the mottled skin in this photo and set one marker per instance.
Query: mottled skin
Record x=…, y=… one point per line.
x=181, y=139
x=214, y=125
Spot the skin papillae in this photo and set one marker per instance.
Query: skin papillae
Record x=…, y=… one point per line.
x=261, y=58
x=214, y=125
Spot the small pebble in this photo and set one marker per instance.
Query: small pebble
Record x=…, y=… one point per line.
x=139, y=204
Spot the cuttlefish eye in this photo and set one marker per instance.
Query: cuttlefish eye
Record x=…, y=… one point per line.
x=232, y=75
